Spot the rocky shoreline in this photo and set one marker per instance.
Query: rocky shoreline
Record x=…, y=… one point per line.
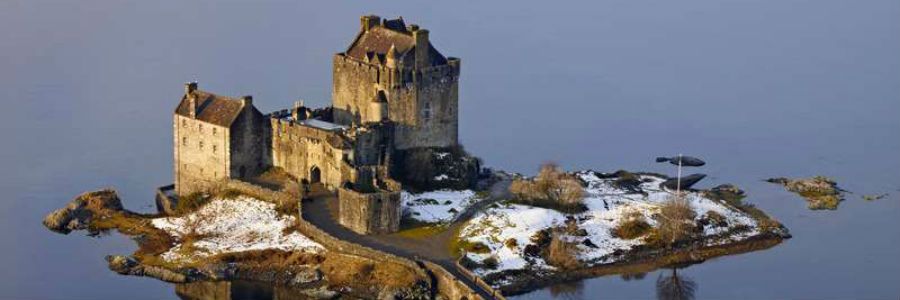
x=333, y=274
x=640, y=261
x=324, y=275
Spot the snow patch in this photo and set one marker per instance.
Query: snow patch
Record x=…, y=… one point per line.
x=436, y=206
x=234, y=225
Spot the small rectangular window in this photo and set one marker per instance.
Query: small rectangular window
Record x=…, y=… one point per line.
x=184, y=141
x=214, y=149
x=201, y=145
x=214, y=131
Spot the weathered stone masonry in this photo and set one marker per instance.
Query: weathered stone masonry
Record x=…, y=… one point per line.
x=392, y=92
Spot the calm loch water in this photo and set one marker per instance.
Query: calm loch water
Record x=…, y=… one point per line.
x=757, y=88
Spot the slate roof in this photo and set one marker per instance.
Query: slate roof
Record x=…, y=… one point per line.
x=378, y=40
x=215, y=109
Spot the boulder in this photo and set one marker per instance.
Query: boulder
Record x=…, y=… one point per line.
x=686, y=182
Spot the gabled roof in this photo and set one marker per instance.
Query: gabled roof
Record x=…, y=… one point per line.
x=212, y=108
x=378, y=40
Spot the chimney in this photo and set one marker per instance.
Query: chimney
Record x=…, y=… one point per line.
x=295, y=113
x=247, y=101
x=368, y=22
x=189, y=89
x=421, y=38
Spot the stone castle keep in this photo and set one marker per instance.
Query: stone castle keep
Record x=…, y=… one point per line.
x=392, y=93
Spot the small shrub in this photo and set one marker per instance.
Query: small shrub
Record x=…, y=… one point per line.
x=562, y=253
x=490, y=263
x=511, y=243
x=676, y=220
x=541, y=238
x=626, y=180
x=715, y=219
x=551, y=188
x=633, y=225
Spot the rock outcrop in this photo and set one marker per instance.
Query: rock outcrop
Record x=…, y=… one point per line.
x=78, y=213
x=820, y=192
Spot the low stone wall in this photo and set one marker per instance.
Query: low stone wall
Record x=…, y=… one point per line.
x=487, y=287
x=450, y=287
x=334, y=244
x=166, y=201
x=368, y=213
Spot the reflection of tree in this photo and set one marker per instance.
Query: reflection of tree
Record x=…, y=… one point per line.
x=569, y=290
x=674, y=287
x=633, y=276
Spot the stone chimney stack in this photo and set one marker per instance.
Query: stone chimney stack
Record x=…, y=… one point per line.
x=421, y=37
x=368, y=22
x=247, y=101
x=298, y=111
x=189, y=89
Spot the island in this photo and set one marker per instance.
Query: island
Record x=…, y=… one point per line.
x=374, y=196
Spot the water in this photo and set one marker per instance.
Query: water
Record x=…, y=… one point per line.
x=757, y=88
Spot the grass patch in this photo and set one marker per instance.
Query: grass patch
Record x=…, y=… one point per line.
x=192, y=202
x=422, y=232
x=631, y=229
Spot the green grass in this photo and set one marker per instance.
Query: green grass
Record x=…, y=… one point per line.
x=422, y=232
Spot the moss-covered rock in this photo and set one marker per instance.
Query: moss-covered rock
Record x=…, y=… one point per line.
x=820, y=192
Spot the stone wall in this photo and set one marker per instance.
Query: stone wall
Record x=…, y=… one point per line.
x=435, y=108
x=201, y=154
x=369, y=213
x=250, y=143
x=166, y=201
x=423, y=103
x=300, y=149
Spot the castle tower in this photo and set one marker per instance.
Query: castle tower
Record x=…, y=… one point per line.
x=420, y=85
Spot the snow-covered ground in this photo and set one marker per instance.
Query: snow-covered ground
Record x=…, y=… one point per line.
x=606, y=203
x=234, y=225
x=437, y=206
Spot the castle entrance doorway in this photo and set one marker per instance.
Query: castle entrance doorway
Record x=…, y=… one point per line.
x=315, y=175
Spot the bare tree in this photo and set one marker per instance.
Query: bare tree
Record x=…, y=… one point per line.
x=676, y=220
x=675, y=287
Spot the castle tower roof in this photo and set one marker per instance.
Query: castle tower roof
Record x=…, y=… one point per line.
x=380, y=38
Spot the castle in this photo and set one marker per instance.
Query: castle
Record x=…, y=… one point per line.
x=393, y=94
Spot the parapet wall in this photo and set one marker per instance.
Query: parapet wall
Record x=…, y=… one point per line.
x=449, y=286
